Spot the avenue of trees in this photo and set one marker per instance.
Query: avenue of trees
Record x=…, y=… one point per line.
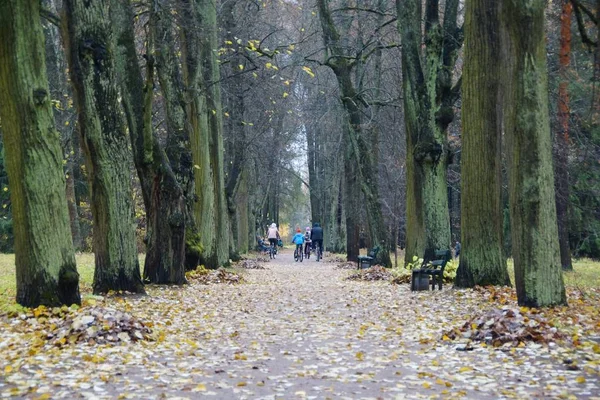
x=182, y=128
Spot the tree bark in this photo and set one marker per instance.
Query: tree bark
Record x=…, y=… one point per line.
x=481, y=259
x=428, y=99
x=562, y=143
x=538, y=273
x=45, y=258
x=57, y=75
x=207, y=10
x=163, y=196
x=91, y=63
x=204, y=206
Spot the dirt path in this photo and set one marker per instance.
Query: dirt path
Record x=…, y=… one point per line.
x=295, y=330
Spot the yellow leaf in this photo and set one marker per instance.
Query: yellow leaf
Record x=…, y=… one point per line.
x=580, y=379
x=5, y=188
x=473, y=326
x=228, y=42
x=596, y=349
x=196, y=166
x=426, y=385
x=360, y=356
x=240, y=384
x=8, y=369
x=465, y=369
x=45, y=396
x=241, y=67
x=268, y=65
x=440, y=381
x=445, y=338
x=226, y=114
x=285, y=94
x=201, y=387
x=66, y=123
x=308, y=71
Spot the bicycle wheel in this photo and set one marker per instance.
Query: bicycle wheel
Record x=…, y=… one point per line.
x=301, y=255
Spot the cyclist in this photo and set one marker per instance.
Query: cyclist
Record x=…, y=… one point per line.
x=316, y=235
x=273, y=236
x=307, y=242
x=298, y=240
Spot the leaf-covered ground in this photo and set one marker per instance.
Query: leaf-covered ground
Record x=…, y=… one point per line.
x=300, y=330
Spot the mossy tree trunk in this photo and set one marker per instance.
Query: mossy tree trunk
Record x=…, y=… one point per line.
x=429, y=95
x=45, y=258
x=163, y=196
x=481, y=259
x=207, y=11
x=89, y=38
x=204, y=206
x=60, y=93
x=536, y=253
x=360, y=171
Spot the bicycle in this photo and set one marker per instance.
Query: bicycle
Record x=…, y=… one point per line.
x=272, y=251
x=298, y=253
x=307, y=248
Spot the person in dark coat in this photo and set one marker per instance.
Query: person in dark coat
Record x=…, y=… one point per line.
x=316, y=236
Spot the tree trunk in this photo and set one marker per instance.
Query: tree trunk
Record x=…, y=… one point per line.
x=163, y=196
x=91, y=64
x=45, y=258
x=561, y=147
x=59, y=89
x=481, y=259
x=428, y=99
x=207, y=10
x=538, y=273
x=204, y=206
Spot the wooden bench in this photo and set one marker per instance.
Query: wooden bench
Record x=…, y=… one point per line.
x=431, y=267
x=367, y=261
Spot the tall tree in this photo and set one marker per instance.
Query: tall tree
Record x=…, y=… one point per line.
x=207, y=11
x=561, y=147
x=538, y=272
x=360, y=170
x=45, y=258
x=163, y=196
x=481, y=260
x=429, y=95
x=90, y=49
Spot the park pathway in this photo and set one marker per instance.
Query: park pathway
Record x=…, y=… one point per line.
x=298, y=330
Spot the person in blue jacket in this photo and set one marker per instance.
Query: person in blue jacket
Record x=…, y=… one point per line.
x=298, y=240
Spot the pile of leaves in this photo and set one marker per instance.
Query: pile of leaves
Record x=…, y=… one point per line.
x=347, y=265
x=509, y=325
x=401, y=275
x=335, y=258
x=249, y=264
x=91, y=325
x=206, y=277
x=375, y=273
